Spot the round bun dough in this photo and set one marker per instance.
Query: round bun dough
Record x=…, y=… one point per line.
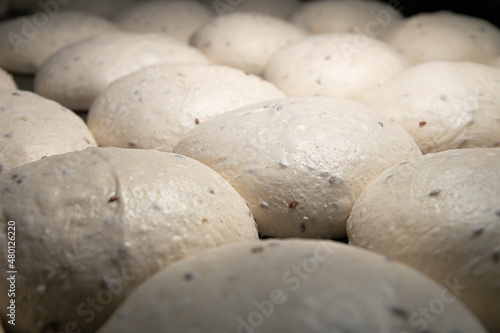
x=361, y=16
x=6, y=81
x=96, y=223
x=156, y=106
x=443, y=105
x=300, y=162
x=32, y=127
x=441, y=215
x=445, y=36
x=103, y=8
x=279, y=8
x=292, y=286
x=26, y=42
x=338, y=65
x=177, y=19
x=76, y=75
x=245, y=40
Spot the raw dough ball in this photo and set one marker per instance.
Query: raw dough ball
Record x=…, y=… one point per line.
x=156, y=106
x=76, y=75
x=300, y=162
x=338, y=65
x=98, y=7
x=26, y=42
x=360, y=16
x=92, y=225
x=445, y=36
x=443, y=105
x=292, y=286
x=245, y=40
x=177, y=19
x=441, y=215
x=6, y=81
x=32, y=127
x=279, y=8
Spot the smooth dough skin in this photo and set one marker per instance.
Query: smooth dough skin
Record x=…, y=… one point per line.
x=293, y=286
x=6, y=81
x=360, y=16
x=32, y=127
x=177, y=19
x=300, y=162
x=77, y=74
x=445, y=36
x=26, y=42
x=443, y=105
x=92, y=225
x=278, y=8
x=338, y=65
x=441, y=215
x=245, y=40
x=104, y=8
x=156, y=106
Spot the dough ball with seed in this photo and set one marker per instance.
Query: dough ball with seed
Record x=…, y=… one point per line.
x=6, y=81
x=441, y=215
x=360, y=16
x=290, y=286
x=26, y=42
x=77, y=74
x=32, y=127
x=245, y=40
x=300, y=162
x=92, y=225
x=445, y=36
x=443, y=105
x=156, y=106
x=177, y=19
x=339, y=65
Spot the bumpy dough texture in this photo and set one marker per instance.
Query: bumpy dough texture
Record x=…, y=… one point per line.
x=177, y=19
x=279, y=8
x=32, y=127
x=440, y=214
x=443, y=105
x=103, y=220
x=360, y=16
x=25, y=43
x=300, y=162
x=76, y=75
x=6, y=81
x=339, y=65
x=290, y=286
x=445, y=36
x=245, y=40
x=156, y=106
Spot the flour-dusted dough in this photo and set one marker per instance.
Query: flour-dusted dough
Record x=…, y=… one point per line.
x=339, y=65
x=245, y=40
x=32, y=127
x=77, y=74
x=292, y=286
x=6, y=81
x=360, y=16
x=104, y=8
x=26, y=42
x=94, y=224
x=156, y=106
x=441, y=215
x=279, y=8
x=443, y=105
x=445, y=36
x=300, y=162
x=177, y=19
